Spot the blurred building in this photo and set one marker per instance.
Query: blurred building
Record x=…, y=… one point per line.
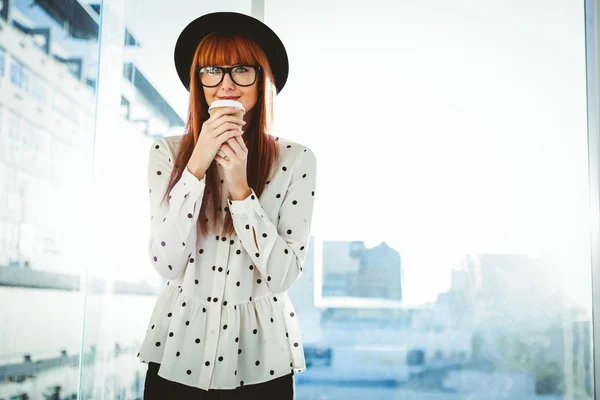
x=509, y=283
x=352, y=270
x=520, y=321
x=302, y=294
x=48, y=147
x=578, y=368
x=48, y=72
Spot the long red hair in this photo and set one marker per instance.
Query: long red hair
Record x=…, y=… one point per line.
x=263, y=151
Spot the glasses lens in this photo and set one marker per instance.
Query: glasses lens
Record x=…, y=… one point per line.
x=244, y=75
x=210, y=76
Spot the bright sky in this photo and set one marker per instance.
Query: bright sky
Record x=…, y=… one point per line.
x=441, y=128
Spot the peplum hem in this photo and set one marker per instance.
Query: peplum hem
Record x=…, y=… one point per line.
x=214, y=346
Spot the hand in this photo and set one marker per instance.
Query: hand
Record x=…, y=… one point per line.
x=216, y=130
x=234, y=167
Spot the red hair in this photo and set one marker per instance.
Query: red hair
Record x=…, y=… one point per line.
x=263, y=151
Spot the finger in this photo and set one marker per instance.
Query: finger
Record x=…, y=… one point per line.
x=229, y=118
x=224, y=124
x=242, y=143
x=217, y=132
x=214, y=123
x=227, y=150
x=221, y=111
x=235, y=146
x=221, y=153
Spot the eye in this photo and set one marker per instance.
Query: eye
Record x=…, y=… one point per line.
x=240, y=69
x=210, y=70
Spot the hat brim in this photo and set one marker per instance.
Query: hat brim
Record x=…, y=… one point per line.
x=230, y=23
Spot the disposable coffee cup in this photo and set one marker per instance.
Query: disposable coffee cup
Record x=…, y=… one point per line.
x=227, y=103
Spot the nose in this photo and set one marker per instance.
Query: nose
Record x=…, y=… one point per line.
x=227, y=82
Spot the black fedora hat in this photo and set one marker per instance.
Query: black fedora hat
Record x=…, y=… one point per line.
x=230, y=23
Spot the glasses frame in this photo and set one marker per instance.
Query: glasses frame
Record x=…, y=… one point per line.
x=227, y=70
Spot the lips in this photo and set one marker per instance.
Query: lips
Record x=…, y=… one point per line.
x=229, y=98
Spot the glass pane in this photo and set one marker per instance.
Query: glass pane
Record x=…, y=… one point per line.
x=452, y=260
x=452, y=253
x=139, y=101
x=47, y=113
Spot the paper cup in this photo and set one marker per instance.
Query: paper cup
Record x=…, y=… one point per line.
x=227, y=103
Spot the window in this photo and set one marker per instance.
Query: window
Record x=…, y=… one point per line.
x=12, y=122
x=64, y=106
x=125, y=108
x=2, y=61
x=19, y=75
x=38, y=89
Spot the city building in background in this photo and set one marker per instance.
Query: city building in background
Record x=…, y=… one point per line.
x=357, y=271
x=47, y=108
x=48, y=92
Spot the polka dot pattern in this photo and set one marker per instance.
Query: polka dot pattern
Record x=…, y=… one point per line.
x=253, y=335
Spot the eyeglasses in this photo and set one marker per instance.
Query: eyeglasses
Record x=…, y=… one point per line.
x=241, y=75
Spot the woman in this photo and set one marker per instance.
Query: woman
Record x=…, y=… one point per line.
x=229, y=233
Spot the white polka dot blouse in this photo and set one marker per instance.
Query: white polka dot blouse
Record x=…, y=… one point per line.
x=224, y=318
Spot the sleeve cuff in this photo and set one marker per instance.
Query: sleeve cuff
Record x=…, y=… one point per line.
x=190, y=179
x=243, y=206
x=188, y=184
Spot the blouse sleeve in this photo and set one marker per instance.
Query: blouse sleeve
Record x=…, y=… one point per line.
x=278, y=250
x=172, y=222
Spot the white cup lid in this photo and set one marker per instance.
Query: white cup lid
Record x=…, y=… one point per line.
x=226, y=103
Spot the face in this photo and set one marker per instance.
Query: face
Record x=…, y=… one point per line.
x=228, y=90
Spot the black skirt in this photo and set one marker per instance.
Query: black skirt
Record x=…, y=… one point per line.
x=157, y=387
